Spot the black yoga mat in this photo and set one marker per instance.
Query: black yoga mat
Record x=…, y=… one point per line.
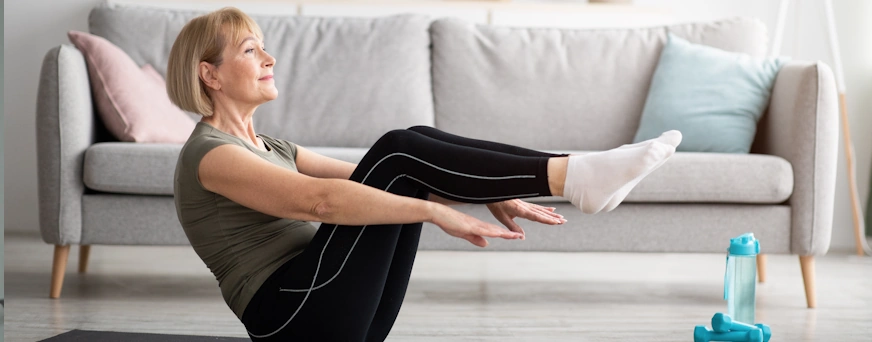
x=106, y=336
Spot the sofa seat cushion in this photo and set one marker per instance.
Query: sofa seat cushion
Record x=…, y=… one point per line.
x=131, y=168
x=697, y=177
x=148, y=169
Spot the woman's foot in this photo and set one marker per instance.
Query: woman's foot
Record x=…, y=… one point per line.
x=600, y=181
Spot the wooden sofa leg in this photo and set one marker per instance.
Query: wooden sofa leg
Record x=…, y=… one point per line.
x=761, y=268
x=58, y=268
x=806, y=262
x=84, y=253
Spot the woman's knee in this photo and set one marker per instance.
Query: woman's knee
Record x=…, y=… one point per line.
x=397, y=140
x=421, y=129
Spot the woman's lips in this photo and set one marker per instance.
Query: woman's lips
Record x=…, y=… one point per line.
x=266, y=78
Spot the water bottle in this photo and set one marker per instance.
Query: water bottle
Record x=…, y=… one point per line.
x=740, y=279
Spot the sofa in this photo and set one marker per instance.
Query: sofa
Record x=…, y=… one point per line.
x=345, y=81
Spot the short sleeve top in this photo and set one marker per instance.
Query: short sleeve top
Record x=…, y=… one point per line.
x=241, y=246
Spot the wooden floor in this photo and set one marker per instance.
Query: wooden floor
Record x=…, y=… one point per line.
x=453, y=296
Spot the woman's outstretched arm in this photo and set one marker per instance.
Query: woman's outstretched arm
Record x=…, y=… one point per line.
x=316, y=165
x=247, y=179
x=319, y=166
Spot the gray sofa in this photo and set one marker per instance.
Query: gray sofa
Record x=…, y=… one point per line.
x=345, y=81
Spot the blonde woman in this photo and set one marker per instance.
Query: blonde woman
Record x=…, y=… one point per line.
x=244, y=199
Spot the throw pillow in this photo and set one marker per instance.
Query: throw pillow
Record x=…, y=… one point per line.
x=132, y=104
x=714, y=97
x=154, y=76
x=161, y=83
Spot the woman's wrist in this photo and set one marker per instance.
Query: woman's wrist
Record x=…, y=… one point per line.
x=432, y=210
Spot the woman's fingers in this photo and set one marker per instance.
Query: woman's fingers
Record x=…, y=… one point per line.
x=509, y=223
x=541, y=215
x=476, y=240
x=475, y=231
x=490, y=230
x=479, y=240
x=547, y=211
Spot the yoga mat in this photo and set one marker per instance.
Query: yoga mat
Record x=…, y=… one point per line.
x=106, y=336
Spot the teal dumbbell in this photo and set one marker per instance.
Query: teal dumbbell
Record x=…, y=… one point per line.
x=724, y=323
x=703, y=334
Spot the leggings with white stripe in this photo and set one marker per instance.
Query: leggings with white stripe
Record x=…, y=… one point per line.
x=349, y=283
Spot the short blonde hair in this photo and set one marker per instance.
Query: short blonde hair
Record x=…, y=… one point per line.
x=203, y=39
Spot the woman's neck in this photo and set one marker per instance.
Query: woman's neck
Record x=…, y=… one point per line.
x=241, y=126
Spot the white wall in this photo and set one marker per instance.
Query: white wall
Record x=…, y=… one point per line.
x=32, y=27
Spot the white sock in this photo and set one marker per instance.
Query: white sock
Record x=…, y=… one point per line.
x=672, y=137
x=601, y=180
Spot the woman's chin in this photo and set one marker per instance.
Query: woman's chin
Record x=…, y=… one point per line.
x=272, y=95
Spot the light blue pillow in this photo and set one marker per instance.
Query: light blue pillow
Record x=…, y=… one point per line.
x=714, y=97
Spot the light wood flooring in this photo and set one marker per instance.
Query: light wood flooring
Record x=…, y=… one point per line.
x=453, y=296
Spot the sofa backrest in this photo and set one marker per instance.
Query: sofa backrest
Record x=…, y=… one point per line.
x=557, y=88
x=342, y=81
x=345, y=81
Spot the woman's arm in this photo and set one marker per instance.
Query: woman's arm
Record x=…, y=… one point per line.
x=315, y=165
x=247, y=179
x=243, y=177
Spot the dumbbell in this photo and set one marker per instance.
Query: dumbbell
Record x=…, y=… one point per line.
x=703, y=334
x=723, y=323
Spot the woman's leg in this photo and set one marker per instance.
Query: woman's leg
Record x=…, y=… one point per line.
x=397, y=280
x=462, y=173
x=334, y=290
x=361, y=274
x=482, y=144
x=345, y=290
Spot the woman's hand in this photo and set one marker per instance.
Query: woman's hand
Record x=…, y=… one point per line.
x=466, y=227
x=506, y=211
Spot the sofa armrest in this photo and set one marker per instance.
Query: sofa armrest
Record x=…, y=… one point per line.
x=64, y=130
x=802, y=126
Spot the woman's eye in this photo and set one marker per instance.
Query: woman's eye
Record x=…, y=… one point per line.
x=249, y=50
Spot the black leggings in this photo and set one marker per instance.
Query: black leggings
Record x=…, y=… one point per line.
x=360, y=274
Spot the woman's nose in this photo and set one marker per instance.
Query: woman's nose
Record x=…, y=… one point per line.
x=270, y=60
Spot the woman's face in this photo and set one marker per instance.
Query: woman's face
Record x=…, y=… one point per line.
x=245, y=75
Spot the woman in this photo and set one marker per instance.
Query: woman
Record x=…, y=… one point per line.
x=244, y=199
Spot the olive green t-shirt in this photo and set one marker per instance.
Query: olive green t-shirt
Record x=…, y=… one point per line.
x=241, y=246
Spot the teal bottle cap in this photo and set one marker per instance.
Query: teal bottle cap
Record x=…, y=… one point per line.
x=744, y=244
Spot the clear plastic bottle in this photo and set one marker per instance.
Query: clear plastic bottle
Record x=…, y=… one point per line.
x=740, y=279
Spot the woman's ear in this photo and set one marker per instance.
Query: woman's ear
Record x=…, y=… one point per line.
x=208, y=75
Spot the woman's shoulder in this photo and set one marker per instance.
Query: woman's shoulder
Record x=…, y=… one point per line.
x=204, y=135
x=202, y=140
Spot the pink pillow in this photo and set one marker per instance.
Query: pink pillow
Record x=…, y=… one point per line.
x=132, y=103
x=154, y=75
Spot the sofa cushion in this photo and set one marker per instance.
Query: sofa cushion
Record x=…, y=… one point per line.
x=718, y=178
x=342, y=81
x=559, y=88
x=714, y=97
x=697, y=177
x=148, y=169
x=129, y=168
x=687, y=177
